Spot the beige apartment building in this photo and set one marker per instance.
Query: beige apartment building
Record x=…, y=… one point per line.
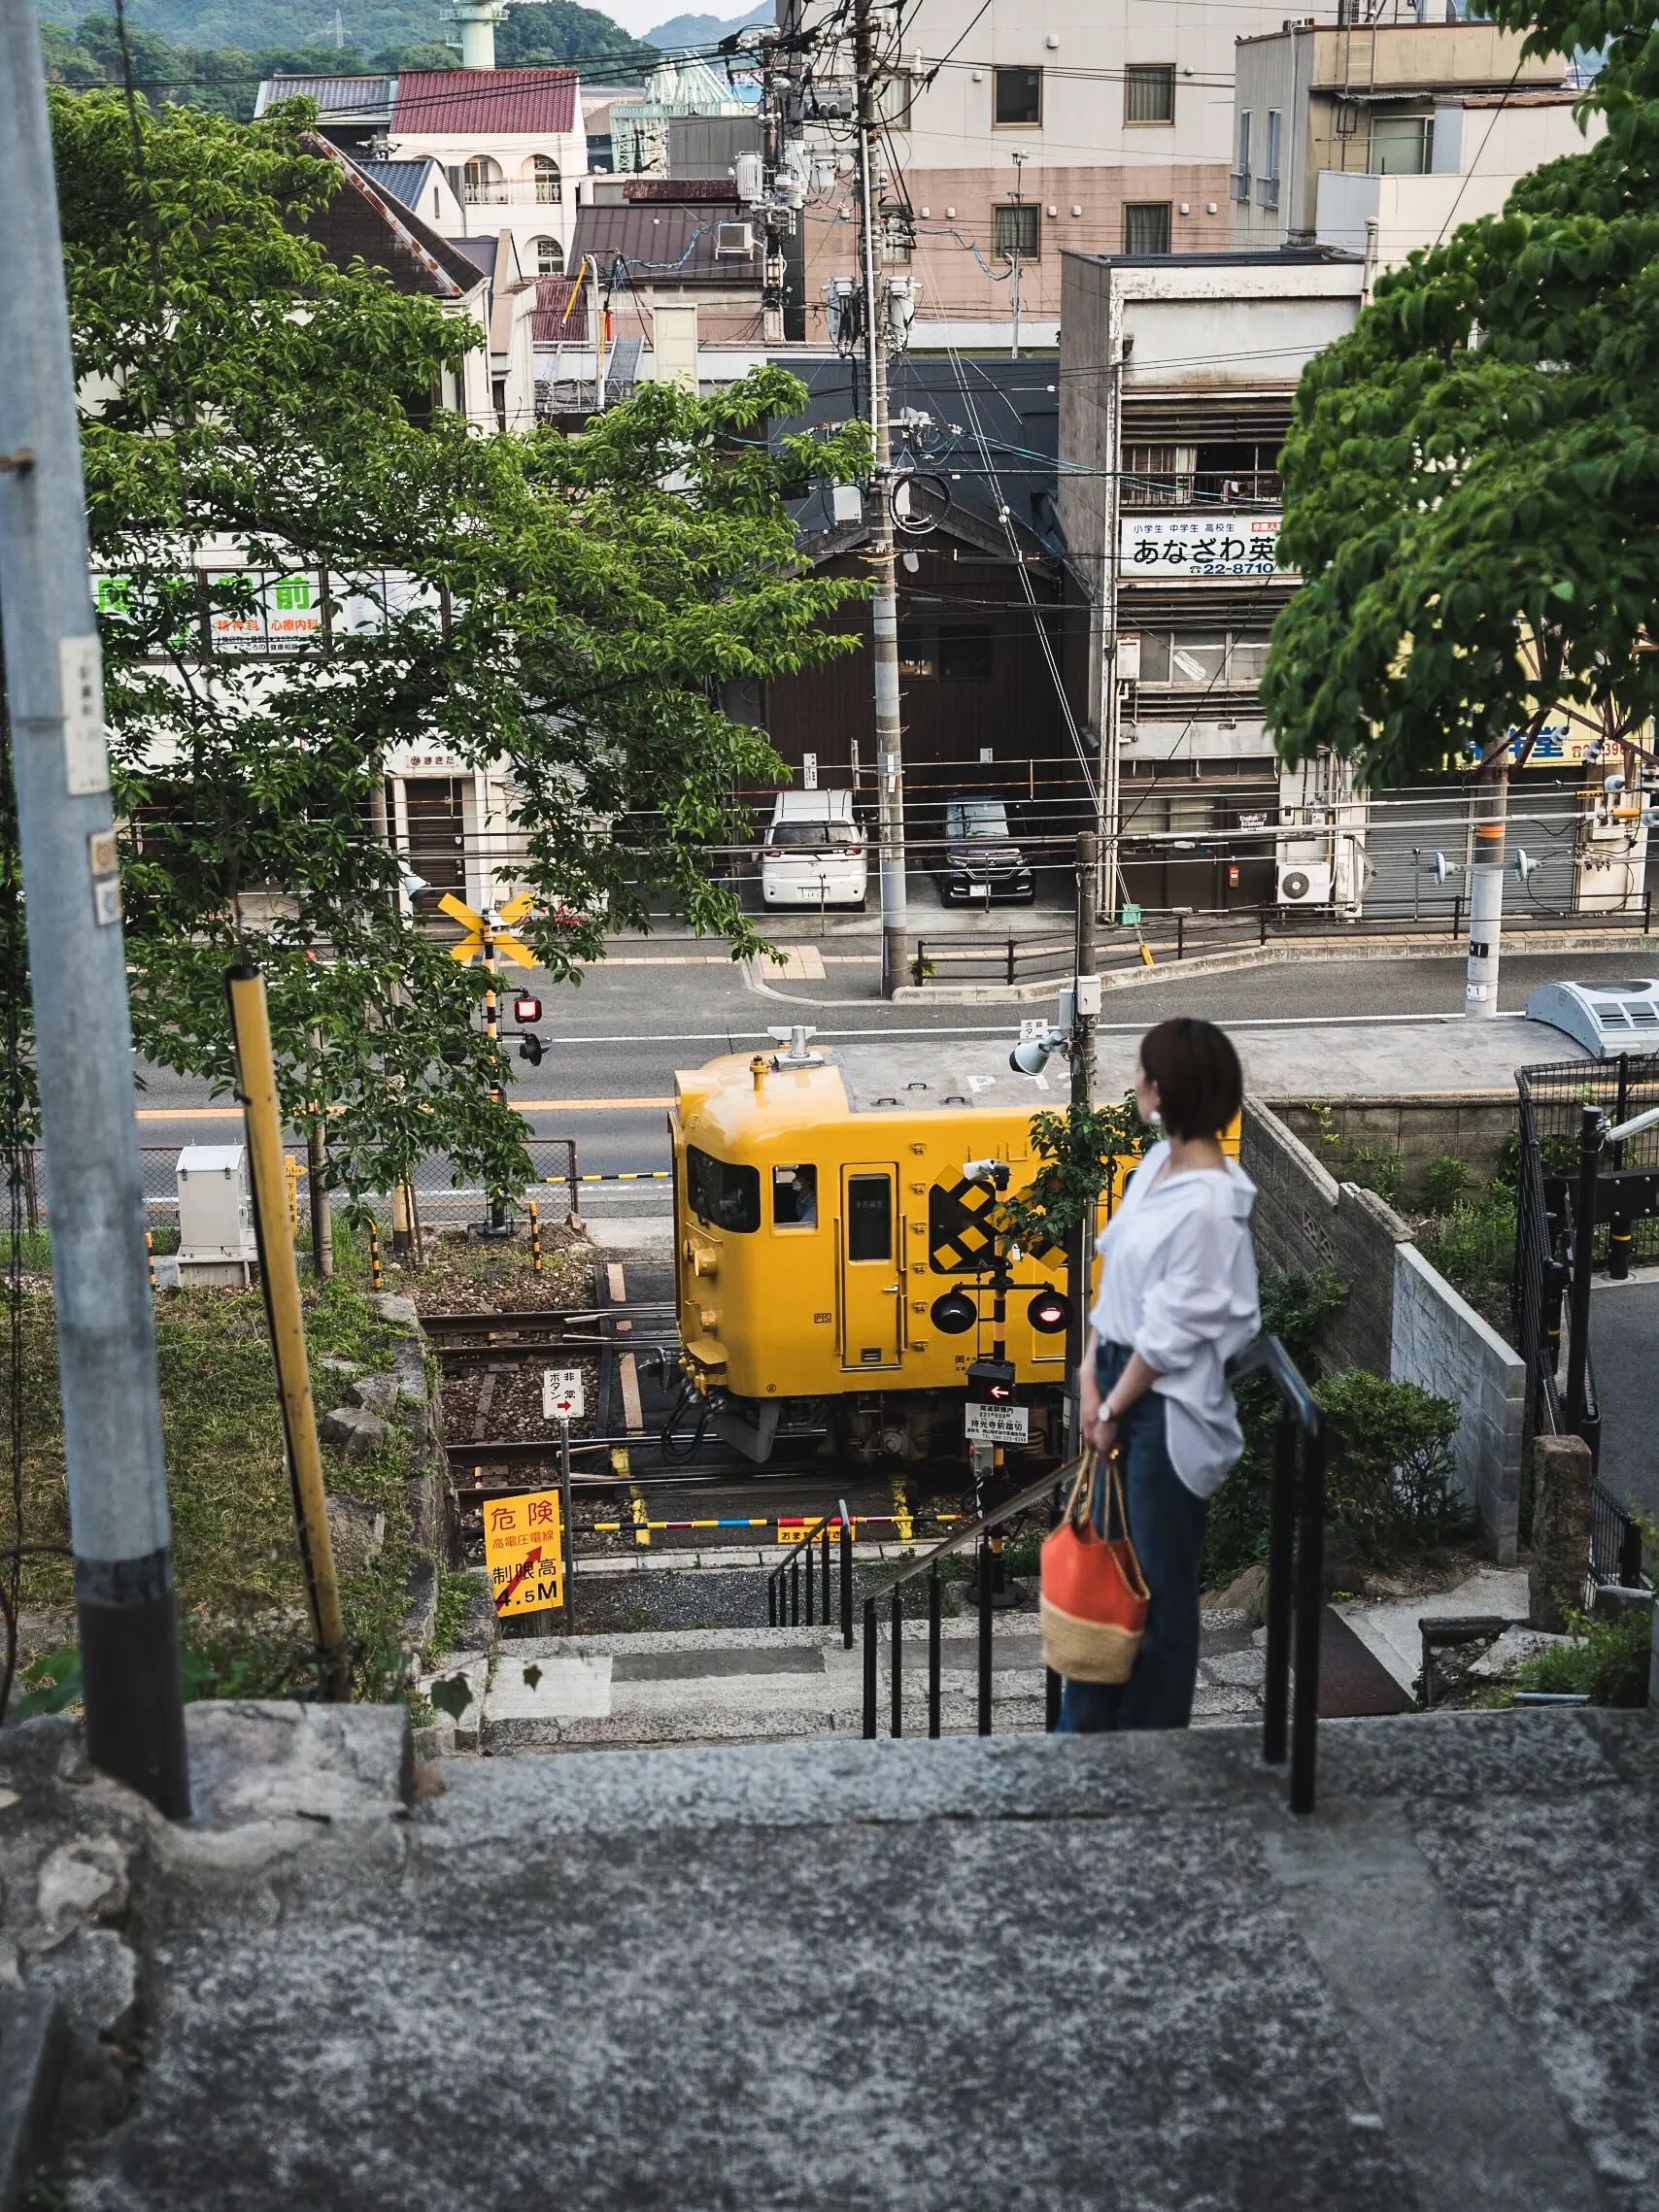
x=1016, y=133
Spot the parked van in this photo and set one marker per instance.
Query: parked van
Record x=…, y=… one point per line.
x=814, y=853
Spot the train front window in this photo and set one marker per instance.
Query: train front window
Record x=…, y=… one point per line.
x=720, y=1196
x=795, y=1197
x=869, y=1217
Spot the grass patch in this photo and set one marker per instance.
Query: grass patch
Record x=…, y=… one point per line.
x=1606, y=1662
x=242, y=1603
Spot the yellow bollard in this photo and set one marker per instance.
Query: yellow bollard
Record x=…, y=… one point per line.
x=374, y=1256
x=535, y=1240
x=291, y=1168
x=149, y=1255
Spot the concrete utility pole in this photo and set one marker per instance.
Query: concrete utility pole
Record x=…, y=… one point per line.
x=1014, y=278
x=106, y=1334
x=1110, y=718
x=889, y=742
x=1486, y=895
x=1084, y=1017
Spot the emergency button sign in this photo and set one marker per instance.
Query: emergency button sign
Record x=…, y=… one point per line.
x=523, y=1549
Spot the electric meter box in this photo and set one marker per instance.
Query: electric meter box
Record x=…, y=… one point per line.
x=1606, y=1018
x=217, y=1243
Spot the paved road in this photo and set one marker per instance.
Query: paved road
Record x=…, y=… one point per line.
x=615, y=1042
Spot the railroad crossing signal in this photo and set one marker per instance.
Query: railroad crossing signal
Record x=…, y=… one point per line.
x=483, y=935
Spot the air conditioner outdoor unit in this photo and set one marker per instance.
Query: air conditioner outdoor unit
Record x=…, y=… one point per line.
x=1305, y=882
x=733, y=238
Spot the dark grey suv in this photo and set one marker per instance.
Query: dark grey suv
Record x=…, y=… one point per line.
x=980, y=857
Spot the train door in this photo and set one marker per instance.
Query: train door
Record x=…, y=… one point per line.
x=873, y=1289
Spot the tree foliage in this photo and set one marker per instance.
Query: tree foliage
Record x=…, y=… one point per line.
x=571, y=606
x=1077, y=1151
x=1471, y=480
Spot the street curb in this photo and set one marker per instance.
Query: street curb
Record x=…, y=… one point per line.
x=1269, y=956
x=34, y=2046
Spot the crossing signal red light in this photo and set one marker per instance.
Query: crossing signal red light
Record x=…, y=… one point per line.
x=1049, y=1312
x=527, y=1011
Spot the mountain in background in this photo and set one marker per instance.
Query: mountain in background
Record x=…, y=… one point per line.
x=705, y=30
x=378, y=33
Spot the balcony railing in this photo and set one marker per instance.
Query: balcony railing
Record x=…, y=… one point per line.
x=511, y=191
x=1241, y=187
x=1268, y=191
x=1205, y=487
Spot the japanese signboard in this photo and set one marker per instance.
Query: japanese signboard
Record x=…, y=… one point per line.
x=997, y=1423
x=561, y=1395
x=524, y=1553
x=1162, y=545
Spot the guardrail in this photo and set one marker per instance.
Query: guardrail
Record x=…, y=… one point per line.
x=1296, y=1597
x=783, y=1585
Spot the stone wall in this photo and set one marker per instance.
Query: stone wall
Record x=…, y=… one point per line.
x=1305, y=1220
x=1400, y=1319
x=1443, y=1344
x=1419, y=1126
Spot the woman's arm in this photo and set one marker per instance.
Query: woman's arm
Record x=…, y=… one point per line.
x=1136, y=1378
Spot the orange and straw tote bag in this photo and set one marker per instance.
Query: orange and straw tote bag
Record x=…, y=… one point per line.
x=1094, y=1597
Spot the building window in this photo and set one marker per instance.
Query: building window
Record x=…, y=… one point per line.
x=1402, y=146
x=1018, y=96
x=1267, y=185
x=543, y=172
x=1146, y=226
x=1201, y=660
x=892, y=101
x=481, y=182
x=1149, y=93
x=1019, y=231
x=1241, y=174
x=549, y=256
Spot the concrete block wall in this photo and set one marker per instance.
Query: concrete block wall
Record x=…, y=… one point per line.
x=1443, y=1345
x=1401, y=1319
x=1305, y=1220
x=1419, y=1125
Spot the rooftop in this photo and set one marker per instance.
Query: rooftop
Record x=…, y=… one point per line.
x=671, y=244
x=500, y=102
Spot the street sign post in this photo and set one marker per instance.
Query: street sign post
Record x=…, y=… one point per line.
x=491, y=932
x=997, y=1423
x=523, y=1549
x=562, y=1397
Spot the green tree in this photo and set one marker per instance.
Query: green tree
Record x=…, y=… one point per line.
x=1472, y=481
x=569, y=605
x=1077, y=1151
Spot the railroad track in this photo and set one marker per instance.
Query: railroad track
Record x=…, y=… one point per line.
x=463, y=1339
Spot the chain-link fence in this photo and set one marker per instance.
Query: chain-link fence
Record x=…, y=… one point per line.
x=440, y=1200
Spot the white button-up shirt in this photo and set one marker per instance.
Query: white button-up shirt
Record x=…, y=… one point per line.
x=1178, y=1286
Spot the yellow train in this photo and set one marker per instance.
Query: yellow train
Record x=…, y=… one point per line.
x=833, y=1259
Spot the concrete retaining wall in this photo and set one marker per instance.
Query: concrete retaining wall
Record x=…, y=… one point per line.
x=1401, y=1319
x=1419, y=1126
x=1443, y=1344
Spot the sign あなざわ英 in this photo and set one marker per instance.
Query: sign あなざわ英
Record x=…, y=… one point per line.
x=523, y=1550
x=1198, y=545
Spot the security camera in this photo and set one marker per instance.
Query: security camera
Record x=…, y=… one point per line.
x=992, y=1171
x=411, y=883
x=1032, y=1055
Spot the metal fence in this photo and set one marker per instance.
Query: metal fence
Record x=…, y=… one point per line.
x=440, y=1201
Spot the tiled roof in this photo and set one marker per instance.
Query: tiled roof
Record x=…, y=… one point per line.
x=363, y=219
x=485, y=102
x=335, y=95
x=405, y=181
x=662, y=246
x=682, y=189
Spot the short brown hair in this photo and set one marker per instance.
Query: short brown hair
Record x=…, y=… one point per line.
x=1201, y=1086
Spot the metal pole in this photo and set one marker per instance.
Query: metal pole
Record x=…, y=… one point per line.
x=1110, y=719
x=317, y=1190
x=1583, y=1260
x=934, y=1607
x=896, y=1657
x=491, y=1030
x=869, y=1669
x=1080, y=1256
x=1310, y=1605
x=1486, y=900
x=984, y=1637
x=105, y=1340
x=846, y=1578
x=569, y=1533
x=823, y=1565
x=279, y=1275
x=1281, y=1562
x=888, y=743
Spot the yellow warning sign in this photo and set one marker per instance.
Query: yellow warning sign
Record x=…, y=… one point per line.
x=524, y=1553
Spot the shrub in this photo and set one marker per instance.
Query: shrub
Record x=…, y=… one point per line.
x=1390, y=1473
x=1608, y=1662
x=1473, y=1244
x=1383, y=1172
x=1445, y=1181
x=1293, y=1306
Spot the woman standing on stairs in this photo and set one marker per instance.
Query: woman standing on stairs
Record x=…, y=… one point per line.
x=1177, y=1300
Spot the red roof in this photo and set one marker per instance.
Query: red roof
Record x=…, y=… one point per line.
x=486, y=102
x=558, y=318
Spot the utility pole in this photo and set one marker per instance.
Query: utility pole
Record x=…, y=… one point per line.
x=106, y=1330
x=1014, y=281
x=1486, y=892
x=1085, y=1010
x=1107, y=662
x=889, y=742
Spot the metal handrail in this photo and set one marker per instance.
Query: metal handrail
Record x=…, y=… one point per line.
x=784, y=1583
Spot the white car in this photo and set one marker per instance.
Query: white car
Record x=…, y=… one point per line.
x=814, y=853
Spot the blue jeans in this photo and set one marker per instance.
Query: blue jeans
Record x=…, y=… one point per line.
x=1166, y=1522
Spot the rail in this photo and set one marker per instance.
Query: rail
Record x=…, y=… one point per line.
x=1296, y=1597
x=1615, y=1543
x=784, y=1583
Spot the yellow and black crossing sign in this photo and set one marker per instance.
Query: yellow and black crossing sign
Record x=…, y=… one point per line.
x=484, y=935
x=963, y=1221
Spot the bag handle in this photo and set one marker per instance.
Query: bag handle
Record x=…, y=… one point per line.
x=1080, y=1505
